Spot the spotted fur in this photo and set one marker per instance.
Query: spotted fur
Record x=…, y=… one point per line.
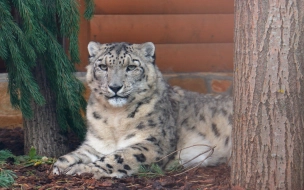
x=135, y=118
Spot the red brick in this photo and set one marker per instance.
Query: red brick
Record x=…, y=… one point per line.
x=220, y=85
x=189, y=83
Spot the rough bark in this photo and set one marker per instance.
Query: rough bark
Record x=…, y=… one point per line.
x=268, y=134
x=42, y=131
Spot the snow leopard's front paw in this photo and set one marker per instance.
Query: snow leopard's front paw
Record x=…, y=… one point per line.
x=63, y=166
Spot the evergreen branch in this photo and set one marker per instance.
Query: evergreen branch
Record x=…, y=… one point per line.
x=89, y=11
x=7, y=178
x=21, y=80
x=67, y=87
x=62, y=118
x=49, y=20
x=37, y=6
x=4, y=11
x=32, y=36
x=11, y=32
x=12, y=85
x=20, y=77
x=4, y=8
x=25, y=102
x=73, y=48
x=25, y=14
x=24, y=80
x=30, y=13
x=3, y=47
x=69, y=17
x=5, y=154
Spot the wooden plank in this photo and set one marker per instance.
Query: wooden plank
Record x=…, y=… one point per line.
x=195, y=57
x=164, y=7
x=163, y=29
x=192, y=57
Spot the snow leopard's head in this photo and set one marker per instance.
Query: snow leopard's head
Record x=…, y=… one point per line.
x=122, y=73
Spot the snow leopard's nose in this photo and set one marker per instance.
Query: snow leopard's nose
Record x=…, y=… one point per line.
x=115, y=89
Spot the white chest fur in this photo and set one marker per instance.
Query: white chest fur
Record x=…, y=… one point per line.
x=110, y=132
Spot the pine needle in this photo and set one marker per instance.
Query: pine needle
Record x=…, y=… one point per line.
x=7, y=178
x=4, y=155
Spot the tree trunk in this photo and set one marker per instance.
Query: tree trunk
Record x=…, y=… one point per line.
x=268, y=134
x=42, y=131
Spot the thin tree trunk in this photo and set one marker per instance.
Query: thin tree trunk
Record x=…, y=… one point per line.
x=268, y=134
x=42, y=131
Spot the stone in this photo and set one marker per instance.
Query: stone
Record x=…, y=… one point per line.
x=195, y=84
x=8, y=115
x=219, y=86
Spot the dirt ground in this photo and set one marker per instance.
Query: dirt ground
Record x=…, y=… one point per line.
x=40, y=177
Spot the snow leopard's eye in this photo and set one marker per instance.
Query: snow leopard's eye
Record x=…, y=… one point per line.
x=103, y=67
x=131, y=67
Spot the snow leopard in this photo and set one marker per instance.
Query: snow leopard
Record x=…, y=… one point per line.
x=134, y=118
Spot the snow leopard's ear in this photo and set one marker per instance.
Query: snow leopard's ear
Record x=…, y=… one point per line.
x=148, y=49
x=93, y=48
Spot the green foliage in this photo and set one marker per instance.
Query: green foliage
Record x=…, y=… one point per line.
x=32, y=159
x=89, y=9
x=36, y=32
x=174, y=166
x=7, y=178
x=4, y=155
x=154, y=170
x=32, y=153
